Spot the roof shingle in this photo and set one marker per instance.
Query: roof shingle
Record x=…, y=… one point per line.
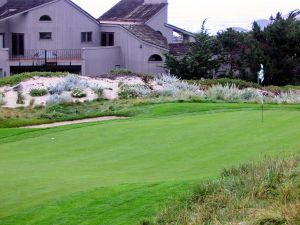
x=13, y=7
x=147, y=34
x=132, y=11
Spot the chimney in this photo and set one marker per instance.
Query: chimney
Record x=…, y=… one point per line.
x=155, y=1
x=3, y=2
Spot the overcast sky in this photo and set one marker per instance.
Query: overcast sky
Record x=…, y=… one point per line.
x=189, y=14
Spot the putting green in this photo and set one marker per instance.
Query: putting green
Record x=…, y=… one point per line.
x=42, y=171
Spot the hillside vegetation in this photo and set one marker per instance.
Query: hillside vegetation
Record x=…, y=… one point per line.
x=256, y=194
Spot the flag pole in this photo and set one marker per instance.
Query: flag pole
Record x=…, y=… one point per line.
x=262, y=108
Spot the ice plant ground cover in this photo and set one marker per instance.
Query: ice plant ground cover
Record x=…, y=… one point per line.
x=123, y=172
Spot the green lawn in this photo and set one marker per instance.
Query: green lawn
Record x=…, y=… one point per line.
x=119, y=172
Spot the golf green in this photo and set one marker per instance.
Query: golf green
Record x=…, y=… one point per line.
x=119, y=172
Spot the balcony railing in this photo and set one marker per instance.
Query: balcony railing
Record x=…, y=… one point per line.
x=48, y=56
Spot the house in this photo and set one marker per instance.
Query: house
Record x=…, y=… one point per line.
x=58, y=35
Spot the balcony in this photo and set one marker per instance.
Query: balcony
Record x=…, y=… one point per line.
x=47, y=57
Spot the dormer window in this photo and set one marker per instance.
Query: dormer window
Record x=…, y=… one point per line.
x=45, y=18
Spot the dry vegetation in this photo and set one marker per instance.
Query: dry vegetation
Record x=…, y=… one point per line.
x=253, y=194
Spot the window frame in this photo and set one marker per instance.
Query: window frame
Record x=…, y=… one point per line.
x=86, y=37
x=45, y=21
x=45, y=33
x=107, y=39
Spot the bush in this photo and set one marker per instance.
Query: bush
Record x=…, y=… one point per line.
x=18, y=78
x=121, y=72
x=134, y=91
x=241, y=84
x=20, y=98
x=58, y=99
x=289, y=97
x=232, y=93
x=78, y=93
x=38, y=92
x=173, y=86
x=70, y=82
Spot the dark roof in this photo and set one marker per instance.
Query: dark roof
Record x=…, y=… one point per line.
x=147, y=34
x=13, y=7
x=132, y=11
x=179, y=49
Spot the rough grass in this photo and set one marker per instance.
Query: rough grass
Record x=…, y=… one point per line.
x=10, y=118
x=252, y=194
x=86, y=173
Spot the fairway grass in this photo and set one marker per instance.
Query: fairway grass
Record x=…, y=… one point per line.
x=119, y=172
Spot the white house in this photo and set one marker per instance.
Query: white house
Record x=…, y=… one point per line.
x=57, y=35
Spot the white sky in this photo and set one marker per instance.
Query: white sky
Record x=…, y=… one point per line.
x=189, y=14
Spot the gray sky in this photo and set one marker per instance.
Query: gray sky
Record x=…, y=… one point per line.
x=189, y=14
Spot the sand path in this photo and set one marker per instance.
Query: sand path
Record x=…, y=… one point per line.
x=58, y=124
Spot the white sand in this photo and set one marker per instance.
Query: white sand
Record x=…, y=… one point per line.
x=111, y=89
x=58, y=124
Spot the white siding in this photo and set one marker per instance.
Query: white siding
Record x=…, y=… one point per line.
x=66, y=27
x=158, y=23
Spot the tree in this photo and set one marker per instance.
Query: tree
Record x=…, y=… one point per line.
x=201, y=61
x=280, y=43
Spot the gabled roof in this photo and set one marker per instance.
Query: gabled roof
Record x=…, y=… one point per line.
x=179, y=49
x=147, y=34
x=135, y=11
x=13, y=7
x=179, y=30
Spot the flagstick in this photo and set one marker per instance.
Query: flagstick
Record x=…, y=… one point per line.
x=262, y=108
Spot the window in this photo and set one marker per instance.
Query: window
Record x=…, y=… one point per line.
x=86, y=36
x=2, y=41
x=45, y=36
x=155, y=58
x=45, y=18
x=107, y=39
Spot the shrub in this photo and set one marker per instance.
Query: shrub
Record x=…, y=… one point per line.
x=290, y=97
x=232, y=93
x=78, y=93
x=134, y=91
x=121, y=72
x=70, y=82
x=2, y=100
x=99, y=90
x=58, y=99
x=38, y=92
x=173, y=86
x=20, y=98
x=241, y=84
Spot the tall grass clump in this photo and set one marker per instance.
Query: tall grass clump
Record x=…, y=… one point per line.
x=69, y=82
x=251, y=194
x=134, y=91
x=289, y=97
x=230, y=92
x=2, y=100
x=58, y=99
x=173, y=86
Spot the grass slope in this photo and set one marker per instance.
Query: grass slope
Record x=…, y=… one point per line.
x=62, y=168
